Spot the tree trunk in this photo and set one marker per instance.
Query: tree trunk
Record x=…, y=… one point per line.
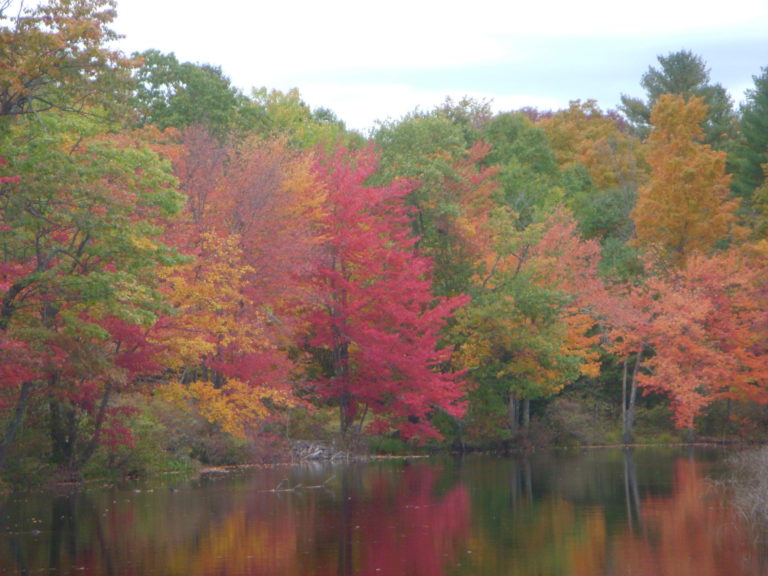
x=512, y=413
x=526, y=414
x=63, y=428
x=629, y=412
x=15, y=424
x=625, y=433
x=86, y=454
x=340, y=372
x=63, y=434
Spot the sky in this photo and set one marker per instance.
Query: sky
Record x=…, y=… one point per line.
x=376, y=61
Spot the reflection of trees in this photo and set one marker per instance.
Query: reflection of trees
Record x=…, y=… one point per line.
x=525, y=526
x=56, y=534
x=407, y=522
x=640, y=527
x=410, y=519
x=693, y=532
x=631, y=492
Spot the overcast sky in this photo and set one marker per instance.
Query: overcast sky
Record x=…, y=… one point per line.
x=378, y=61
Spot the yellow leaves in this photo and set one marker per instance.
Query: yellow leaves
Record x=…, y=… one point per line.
x=472, y=352
x=143, y=242
x=584, y=135
x=235, y=406
x=207, y=295
x=581, y=344
x=684, y=208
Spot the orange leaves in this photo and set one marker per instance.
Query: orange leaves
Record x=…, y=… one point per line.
x=236, y=406
x=684, y=208
x=705, y=324
x=207, y=297
x=584, y=135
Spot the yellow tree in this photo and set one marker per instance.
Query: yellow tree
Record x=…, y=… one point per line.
x=684, y=207
x=584, y=135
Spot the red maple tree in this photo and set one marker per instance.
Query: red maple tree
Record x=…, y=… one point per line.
x=376, y=323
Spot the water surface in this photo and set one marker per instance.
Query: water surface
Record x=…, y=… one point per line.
x=649, y=512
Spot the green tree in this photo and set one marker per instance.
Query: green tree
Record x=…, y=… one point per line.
x=273, y=113
x=751, y=154
x=170, y=93
x=453, y=192
x=79, y=230
x=528, y=172
x=685, y=74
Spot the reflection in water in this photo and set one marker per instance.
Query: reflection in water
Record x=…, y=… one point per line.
x=631, y=492
x=693, y=532
x=611, y=513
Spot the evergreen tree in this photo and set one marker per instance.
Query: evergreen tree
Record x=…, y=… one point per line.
x=752, y=151
x=684, y=74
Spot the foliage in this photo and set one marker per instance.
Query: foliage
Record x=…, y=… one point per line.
x=452, y=191
x=529, y=182
x=585, y=136
x=686, y=75
x=55, y=56
x=528, y=330
x=751, y=152
x=227, y=266
x=80, y=232
x=376, y=323
x=170, y=93
x=684, y=207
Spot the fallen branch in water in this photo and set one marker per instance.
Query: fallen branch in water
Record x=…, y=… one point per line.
x=299, y=486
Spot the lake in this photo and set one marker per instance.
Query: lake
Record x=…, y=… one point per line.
x=651, y=512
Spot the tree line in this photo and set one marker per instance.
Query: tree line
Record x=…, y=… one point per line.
x=175, y=251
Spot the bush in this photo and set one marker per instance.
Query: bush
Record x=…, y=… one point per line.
x=569, y=422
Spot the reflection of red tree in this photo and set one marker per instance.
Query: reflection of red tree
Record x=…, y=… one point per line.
x=692, y=533
x=411, y=528
x=403, y=522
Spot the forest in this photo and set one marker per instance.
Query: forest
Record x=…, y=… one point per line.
x=192, y=275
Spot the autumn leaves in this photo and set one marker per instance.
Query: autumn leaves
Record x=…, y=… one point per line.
x=435, y=279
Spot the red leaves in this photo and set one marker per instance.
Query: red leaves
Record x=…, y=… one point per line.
x=376, y=314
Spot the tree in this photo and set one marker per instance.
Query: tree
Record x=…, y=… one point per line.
x=529, y=182
x=751, y=154
x=55, y=56
x=706, y=331
x=273, y=113
x=529, y=328
x=626, y=314
x=453, y=195
x=683, y=74
x=376, y=324
x=79, y=230
x=684, y=207
x=583, y=135
x=176, y=94
x=251, y=208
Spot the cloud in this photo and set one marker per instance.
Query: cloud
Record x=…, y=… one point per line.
x=370, y=61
